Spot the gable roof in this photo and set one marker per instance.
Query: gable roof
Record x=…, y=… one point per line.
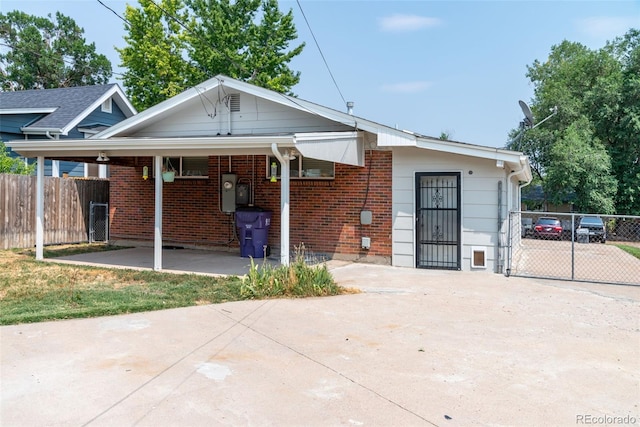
x=123, y=137
x=386, y=136
x=63, y=108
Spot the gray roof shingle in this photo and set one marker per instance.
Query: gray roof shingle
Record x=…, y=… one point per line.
x=69, y=102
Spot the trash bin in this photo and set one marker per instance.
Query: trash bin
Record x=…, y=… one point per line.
x=582, y=235
x=253, y=230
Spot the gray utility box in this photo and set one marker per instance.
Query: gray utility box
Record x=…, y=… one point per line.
x=582, y=235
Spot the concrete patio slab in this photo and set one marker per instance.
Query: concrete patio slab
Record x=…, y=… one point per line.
x=416, y=347
x=173, y=260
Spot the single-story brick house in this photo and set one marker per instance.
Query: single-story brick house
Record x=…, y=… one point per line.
x=342, y=185
x=69, y=112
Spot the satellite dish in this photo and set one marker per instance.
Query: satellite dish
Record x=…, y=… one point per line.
x=527, y=113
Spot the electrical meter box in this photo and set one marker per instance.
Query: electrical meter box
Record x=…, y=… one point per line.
x=228, y=192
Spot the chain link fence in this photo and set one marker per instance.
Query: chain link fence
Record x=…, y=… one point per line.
x=573, y=246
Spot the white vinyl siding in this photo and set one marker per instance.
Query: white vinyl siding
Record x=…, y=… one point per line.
x=256, y=117
x=479, y=202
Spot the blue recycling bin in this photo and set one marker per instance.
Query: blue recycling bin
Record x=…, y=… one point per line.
x=253, y=231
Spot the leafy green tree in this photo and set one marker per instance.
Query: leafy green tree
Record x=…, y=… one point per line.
x=44, y=53
x=581, y=171
x=13, y=165
x=175, y=44
x=155, y=55
x=596, y=130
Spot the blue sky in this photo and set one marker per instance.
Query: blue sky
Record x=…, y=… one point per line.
x=425, y=66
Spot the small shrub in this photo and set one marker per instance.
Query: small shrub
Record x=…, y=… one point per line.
x=298, y=279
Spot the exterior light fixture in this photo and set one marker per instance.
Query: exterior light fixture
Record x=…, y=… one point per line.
x=102, y=157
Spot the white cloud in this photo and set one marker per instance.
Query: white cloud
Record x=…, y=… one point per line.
x=407, y=87
x=607, y=27
x=403, y=23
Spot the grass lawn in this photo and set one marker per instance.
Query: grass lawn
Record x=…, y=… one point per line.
x=633, y=250
x=33, y=291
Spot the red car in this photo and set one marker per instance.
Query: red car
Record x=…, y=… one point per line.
x=547, y=228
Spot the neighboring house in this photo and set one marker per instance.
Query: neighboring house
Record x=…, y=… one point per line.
x=534, y=199
x=342, y=185
x=73, y=112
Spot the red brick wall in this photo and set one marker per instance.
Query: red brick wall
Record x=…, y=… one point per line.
x=324, y=215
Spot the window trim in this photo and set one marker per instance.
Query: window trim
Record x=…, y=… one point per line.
x=298, y=176
x=179, y=168
x=107, y=106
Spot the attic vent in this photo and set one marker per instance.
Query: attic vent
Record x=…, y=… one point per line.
x=234, y=102
x=106, y=106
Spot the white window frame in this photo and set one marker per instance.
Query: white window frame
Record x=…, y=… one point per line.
x=179, y=167
x=300, y=173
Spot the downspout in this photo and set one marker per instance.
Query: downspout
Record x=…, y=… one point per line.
x=55, y=164
x=510, y=203
x=284, y=204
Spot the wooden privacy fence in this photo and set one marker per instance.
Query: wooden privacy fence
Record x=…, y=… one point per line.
x=66, y=209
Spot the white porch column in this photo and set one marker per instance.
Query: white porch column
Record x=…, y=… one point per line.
x=102, y=171
x=157, y=241
x=284, y=204
x=40, y=208
x=55, y=168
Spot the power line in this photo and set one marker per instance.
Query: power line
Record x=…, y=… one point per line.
x=320, y=50
x=115, y=13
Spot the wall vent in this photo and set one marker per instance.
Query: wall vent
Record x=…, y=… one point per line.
x=106, y=106
x=234, y=102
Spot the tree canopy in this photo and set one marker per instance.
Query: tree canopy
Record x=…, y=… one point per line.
x=175, y=44
x=591, y=149
x=13, y=165
x=44, y=53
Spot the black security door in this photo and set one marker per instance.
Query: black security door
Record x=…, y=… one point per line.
x=438, y=220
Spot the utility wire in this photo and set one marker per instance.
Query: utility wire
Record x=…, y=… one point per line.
x=115, y=13
x=320, y=50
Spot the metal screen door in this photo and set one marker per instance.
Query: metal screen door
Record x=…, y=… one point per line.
x=438, y=220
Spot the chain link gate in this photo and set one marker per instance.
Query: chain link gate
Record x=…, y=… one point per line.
x=573, y=246
x=98, y=222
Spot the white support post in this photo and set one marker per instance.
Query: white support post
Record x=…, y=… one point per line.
x=157, y=242
x=55, y=168
x=284, y=204
x=40, y=208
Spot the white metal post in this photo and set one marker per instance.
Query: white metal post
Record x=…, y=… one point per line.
x=284, y=204
x=157, y=242
x=40, y=208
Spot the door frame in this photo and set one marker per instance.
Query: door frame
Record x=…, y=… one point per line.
x=418, y=208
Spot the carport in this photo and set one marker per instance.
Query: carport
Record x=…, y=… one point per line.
x=203, y=121
x=342, y=147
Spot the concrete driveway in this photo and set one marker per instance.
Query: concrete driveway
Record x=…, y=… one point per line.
x=416, y=347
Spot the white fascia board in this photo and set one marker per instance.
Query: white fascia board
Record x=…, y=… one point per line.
x=150, y=146
x=39, y=110
x=123, y=102
x=470, y=150
x=114, y=91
